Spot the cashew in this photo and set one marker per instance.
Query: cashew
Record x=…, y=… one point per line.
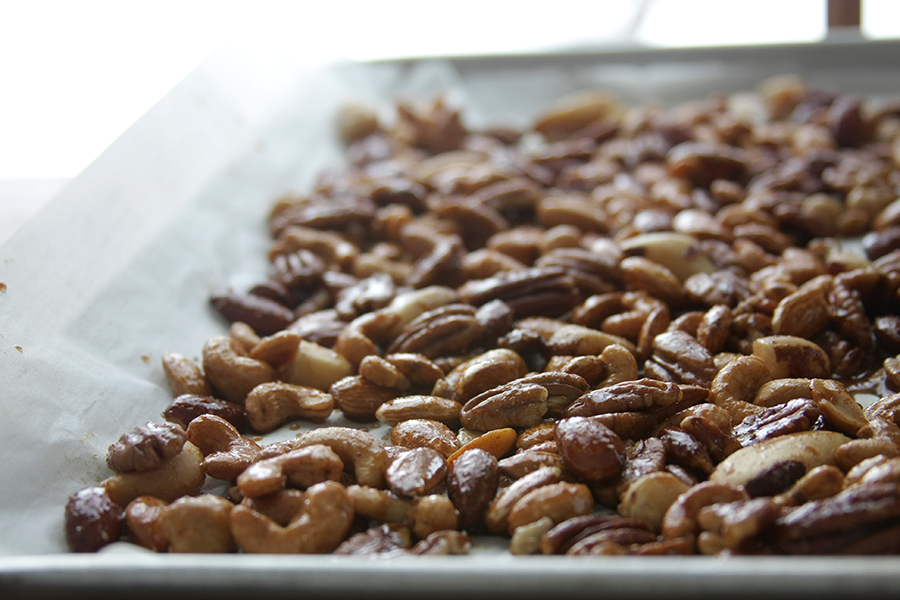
x=735, y=384
x=184, y=376
x=178, y=476
x=812, y=448
x=227, y=453
x=276, y=349
x=432, y=513
x=558, y=501
x=142, y=522
x=620, y=365
x=378, y=505
x=837, y=406
x=526, y=539
x=303, y=468
x=315, y=366
x=246, y=335
x=318, y=528
x=198, y=525
x=361, y=449
x=280, y=506
x=648, y=498
x=680, y=520
x=231, y=371
x=675, y=251
x=269, y=405
x=497, y=517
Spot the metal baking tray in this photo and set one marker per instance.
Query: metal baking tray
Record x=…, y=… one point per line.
x=117, y=268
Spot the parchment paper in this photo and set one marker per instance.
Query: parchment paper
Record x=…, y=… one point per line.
x=117, y=269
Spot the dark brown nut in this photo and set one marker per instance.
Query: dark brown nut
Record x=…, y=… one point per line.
x=425, y=433
x=281, y=506
x=416, y=472
x=380, y=372
x=887, y=332
x=184, y=376
x=359, y=399
x=142, y=523
x=354, y=447
x=472, y=483
x=322, y=524
x=590, y=449
x=385, y=540
x=719, y=441
x=300, y=468
x=406, y=408
x=703, y=163
x=146, y=447
x=795, y=416
x=686, y=359
x=643, y=274
x=263, y=315
x=315, y=366
x=230, y=371
x=775, y=479
x=486, y=371
x=558, y=501
x=625, y=397
x=629, y=425
x=887, y=408
x=512, y=405
x=93, y=520
x=226, y=452
x=371, y=293
x=574, y=113
x=886, y=470
x=683, y=449
x=198, y=525
x=823, y=481
x=497, y=517
x=791, y=356
x=444, y=331
x=270, y=405
x=187, y=407
x=565, y=535
x=545, y=291
x=680, y=520
x=833, y=524
x=715, y=328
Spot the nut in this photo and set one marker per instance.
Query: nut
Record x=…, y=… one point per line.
x=416, y=472
x=558, y=501
x=590, y=449
x=406, y=408
x=230, y=371
x=146, y=447
x=93, y=520
x=269, y=405
x=497, y=517
x=178, y=476
x=303, y=468
x=184, y=376
x=226, y=452
x=425, y=433
x=354, y=447
x=197, y=525
x=648, y=498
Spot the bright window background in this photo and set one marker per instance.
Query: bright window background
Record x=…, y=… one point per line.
x=75, y=74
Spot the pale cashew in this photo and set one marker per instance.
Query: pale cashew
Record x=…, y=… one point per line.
x=230, y=371
x=648, y=498
x=680, y=520
x=246, y=335
x=735, y=384
x=178, y=476
x=526, y=539
x=782, y=391
x=432, y=513
x=315, y=366
x=302, y=468
x=277, y=349
x=361, y=449
x=142, y=522
x=378, y=505
x=227, y=453
x=269, y=405
x=281, y=506
x=198, y=525
x=318, y=528
x=620, y=365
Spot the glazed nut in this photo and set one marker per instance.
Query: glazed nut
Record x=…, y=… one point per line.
x=187, y=407
x=378, y=505
x=315, y=366
x=486, y=371
x=359, y=399
x=432, y=513
x=589, y=448
x=425, y=433
x=406, y=408
x=497, y=517
x=472, y=481
x=812, y=448
x=680, y=520
x=558, y=501
x=276, y=349
x=300, y=468
x=230, y=371
x=145, y=447
x=319, y=527
x=270, y=405
x=648, y=498
x=281, y=506
x=181, y=475
x=197, y=525
x=354, y=447
x=791, y=356
x=496, y=442
x=93, y=519
x=184, y=376
x=226, y=452
x=514, y=404
x=838, y=407
x=379, y=371
x=416, y=472
x=142, y=522
x=526, y=539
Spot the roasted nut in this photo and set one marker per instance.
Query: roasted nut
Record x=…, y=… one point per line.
x=226, y=452
x=315, y=366
x=680, y=520
x=230, y=371
x=197, y=525
x=416, y=472
x=270, y=405
x=432, y=513
x=497, y=517
x=425, y=433
x=93, y=520
x=319, y=527
x=184, y=376
x=379, y=505
x=648, y=498
x=791, y=356
x=590, y=449
x=354, y=447
x=406, y=408
x=142, y=523
x=187, y=407
x=514, y=404
x=178, y=476
x=558, y=501
x=359, y=399
x=472, y=482
x=146, y=447
x=301, y=468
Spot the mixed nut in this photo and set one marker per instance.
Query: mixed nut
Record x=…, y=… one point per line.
x=622, y=331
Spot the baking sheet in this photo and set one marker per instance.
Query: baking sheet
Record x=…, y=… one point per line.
x=116, y=270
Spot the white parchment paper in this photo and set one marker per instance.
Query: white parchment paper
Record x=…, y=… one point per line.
x=117, y=269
